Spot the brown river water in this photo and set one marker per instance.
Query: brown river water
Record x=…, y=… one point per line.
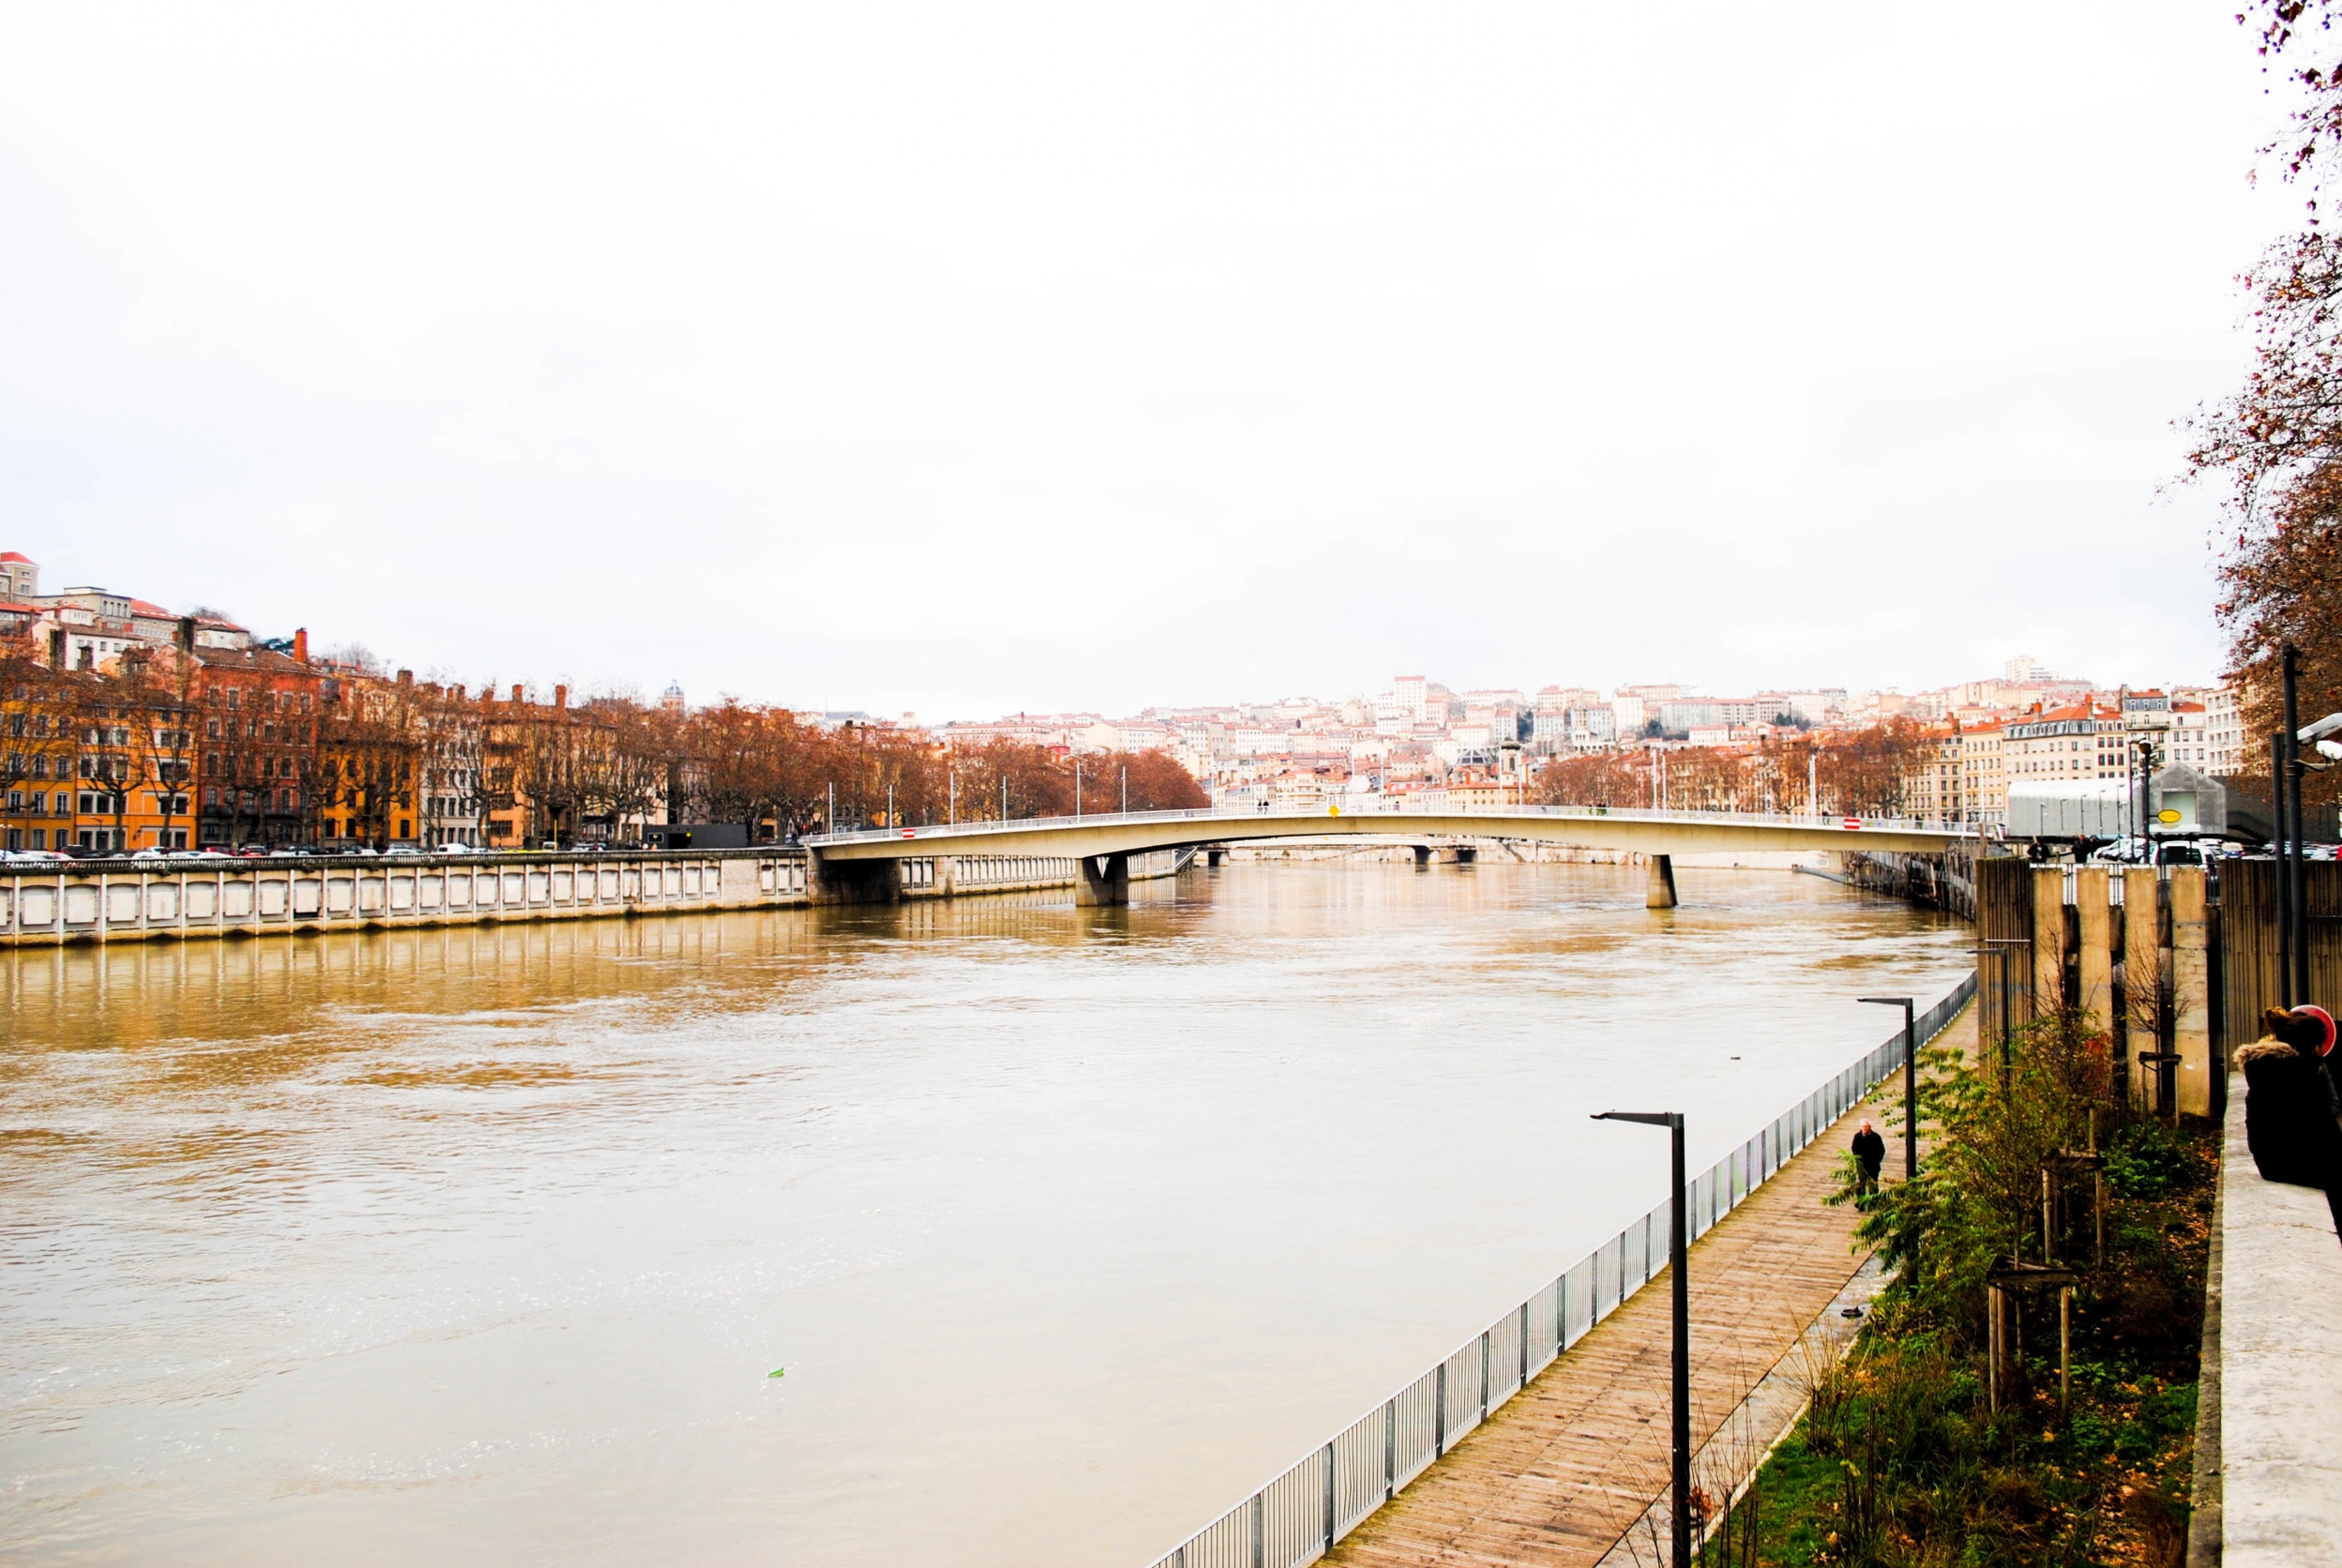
x=1069, y=1226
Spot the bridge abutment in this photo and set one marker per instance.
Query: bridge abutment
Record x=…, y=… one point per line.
x=1660, y=894
x=855, y=882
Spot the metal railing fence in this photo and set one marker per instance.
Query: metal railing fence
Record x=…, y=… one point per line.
x=1375, y=806
x=1297, y=1517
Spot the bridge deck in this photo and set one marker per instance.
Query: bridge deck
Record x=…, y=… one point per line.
x=1562, y=1472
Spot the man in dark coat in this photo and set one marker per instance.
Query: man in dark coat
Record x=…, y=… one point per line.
x=2293, y=1116
x=1869, y=1154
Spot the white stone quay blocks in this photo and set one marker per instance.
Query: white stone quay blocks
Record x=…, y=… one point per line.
x=102, y=901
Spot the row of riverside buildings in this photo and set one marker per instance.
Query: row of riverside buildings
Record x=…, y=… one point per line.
x=125, y=726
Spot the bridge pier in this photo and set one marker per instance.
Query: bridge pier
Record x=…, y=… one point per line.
x=1105, y=881
x=1660, y=894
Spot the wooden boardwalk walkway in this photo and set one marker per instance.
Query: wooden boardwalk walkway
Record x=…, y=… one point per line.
x=1562, y=1472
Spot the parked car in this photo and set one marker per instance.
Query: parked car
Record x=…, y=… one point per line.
x=402, y=849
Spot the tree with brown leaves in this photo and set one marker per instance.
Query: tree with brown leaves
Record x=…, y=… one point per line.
x=2277, y=442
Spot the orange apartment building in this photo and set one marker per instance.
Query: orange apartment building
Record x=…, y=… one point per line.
x=256, y=775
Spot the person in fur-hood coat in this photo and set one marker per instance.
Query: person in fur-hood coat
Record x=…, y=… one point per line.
x=2292, y=1118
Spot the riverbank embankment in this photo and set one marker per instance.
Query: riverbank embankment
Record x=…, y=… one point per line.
x=46, y=903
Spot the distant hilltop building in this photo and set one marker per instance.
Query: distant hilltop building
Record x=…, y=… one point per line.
x=88, y=628
x=19, y=579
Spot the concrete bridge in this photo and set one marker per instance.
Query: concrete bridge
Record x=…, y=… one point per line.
x=878, y=864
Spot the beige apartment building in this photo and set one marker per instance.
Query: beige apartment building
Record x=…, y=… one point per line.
x=1983, y=782
x=2081, y=740
x=1935, y=789
x=2224, y=731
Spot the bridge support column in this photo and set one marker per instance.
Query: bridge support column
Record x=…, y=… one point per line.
x=1105, y=881
x=1660, y=894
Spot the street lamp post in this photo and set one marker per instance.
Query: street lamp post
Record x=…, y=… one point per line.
x=2293, y=774
x=1679, y=1505
x=2285, y=896
x=1910, y=1082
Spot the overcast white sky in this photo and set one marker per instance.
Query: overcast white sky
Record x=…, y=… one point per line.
x=982, y=358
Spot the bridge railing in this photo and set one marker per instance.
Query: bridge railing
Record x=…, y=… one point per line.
x=1297, y=1517
x=1379, y=806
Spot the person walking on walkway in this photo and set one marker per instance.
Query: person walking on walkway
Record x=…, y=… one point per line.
x=1869, y=1154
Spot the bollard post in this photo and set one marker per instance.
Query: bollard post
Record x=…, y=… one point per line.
x=1329, y=1497
x=1390, y=1449
x=1439, y=1413
x=1483, y=1375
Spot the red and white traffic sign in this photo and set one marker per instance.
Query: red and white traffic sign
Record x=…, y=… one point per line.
x=1852, y=824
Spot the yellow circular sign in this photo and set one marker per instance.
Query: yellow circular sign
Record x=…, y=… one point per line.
x=1333, y=810
x=2167, y=816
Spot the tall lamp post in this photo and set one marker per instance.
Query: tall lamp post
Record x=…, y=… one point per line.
x=2285, y=895
x=1910, y=1082
x=1679, y=1505
x=2297, y=984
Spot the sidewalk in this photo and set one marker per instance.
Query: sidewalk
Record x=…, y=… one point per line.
x=2275, y=1446
x=1559, y=1475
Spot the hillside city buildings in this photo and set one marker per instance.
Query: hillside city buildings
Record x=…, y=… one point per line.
x=1967, y=742
x=153, y=728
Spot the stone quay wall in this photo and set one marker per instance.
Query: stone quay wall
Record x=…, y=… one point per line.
x=46, y=903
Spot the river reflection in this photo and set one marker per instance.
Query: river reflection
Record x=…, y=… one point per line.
x=1069, y=1224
